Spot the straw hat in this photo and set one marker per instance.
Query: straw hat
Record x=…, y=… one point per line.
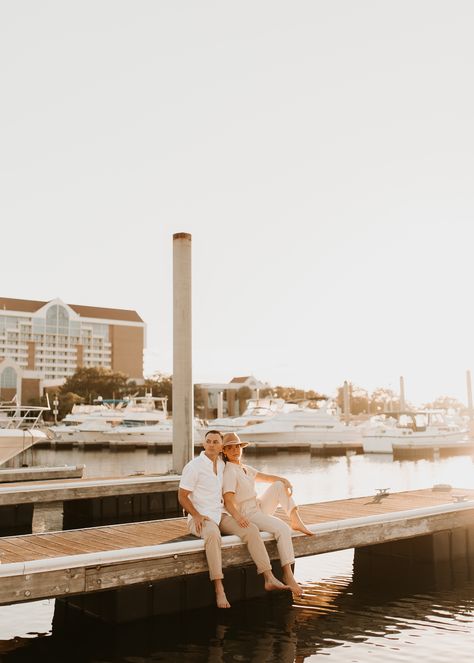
x=233, y=438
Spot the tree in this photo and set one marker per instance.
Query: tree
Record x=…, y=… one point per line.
x=90, y=383
x=293, y=394
x=445, y=403
x=161, y=385
x=66, y=403
x=243, y=394
x=359, y=401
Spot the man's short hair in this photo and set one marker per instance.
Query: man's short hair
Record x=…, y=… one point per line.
x=213, y=432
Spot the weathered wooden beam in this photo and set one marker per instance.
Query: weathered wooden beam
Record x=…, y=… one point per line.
x=41, y=473
x=34, y=586
x=84, y=489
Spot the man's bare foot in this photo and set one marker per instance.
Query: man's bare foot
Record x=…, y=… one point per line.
x=273, y=584
x=297, y=524
x=296, y=589
x=221, y=600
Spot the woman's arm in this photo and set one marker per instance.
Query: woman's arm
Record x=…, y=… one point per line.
x=230, y=505
x=271, y=478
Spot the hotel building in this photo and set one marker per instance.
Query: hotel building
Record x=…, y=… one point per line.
x=42, y=343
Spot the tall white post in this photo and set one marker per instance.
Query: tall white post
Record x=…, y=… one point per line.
x=346, y=402
x=220, y=405
x=402, y=394
x=469, y=394
x=183, y=401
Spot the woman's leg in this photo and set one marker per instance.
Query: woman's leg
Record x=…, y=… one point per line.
x=251, y=537
x=282, y=534
x=277, y=495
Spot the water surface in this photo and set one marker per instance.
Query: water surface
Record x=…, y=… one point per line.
x=338, y=617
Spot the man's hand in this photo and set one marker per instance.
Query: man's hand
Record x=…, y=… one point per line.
x=243, y=522
x=198, y=521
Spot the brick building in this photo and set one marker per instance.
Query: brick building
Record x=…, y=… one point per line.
x=42, y=343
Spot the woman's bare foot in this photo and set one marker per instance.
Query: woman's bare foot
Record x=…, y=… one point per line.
x=297, y=524
x=221, y=599
x=289, y=579
x=272, y=583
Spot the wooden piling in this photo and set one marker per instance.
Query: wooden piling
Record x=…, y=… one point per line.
x=183, y=402
x=402, y=394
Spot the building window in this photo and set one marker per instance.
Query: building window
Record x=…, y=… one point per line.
x=57, y=320
x=8, y=378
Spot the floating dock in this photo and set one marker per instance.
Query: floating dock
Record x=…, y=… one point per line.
x=140, y=557
x=40, y=506
x=41, y=473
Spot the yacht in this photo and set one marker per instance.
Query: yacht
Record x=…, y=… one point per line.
x=257, y=411
x=303, y=425
x=19, y=428
x=422, y=430
x=136, y=420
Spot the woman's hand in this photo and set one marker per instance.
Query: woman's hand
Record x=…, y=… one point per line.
x=288, y=486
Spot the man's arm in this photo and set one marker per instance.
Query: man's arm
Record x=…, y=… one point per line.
x=183, y=498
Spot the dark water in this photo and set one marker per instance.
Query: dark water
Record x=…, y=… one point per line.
x=339, y=617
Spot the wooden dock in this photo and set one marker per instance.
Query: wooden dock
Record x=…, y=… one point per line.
x=79, y=562
x=39, y=506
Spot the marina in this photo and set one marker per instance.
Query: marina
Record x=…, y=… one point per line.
x=252, y=218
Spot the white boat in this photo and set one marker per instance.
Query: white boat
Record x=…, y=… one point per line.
x=97, y=431
x=141, y=420
x=303, y=425
x=257, y=411
x=19, y=428
x=425, y=429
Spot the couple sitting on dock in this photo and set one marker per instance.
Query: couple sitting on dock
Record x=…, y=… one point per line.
x=218, y=492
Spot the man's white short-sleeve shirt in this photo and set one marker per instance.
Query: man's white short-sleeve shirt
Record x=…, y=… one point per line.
x=205, y=486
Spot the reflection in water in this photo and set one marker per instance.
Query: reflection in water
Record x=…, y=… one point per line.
x=336, y=617
x=340, y=616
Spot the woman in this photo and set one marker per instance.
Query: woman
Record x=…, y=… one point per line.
x=246, y=509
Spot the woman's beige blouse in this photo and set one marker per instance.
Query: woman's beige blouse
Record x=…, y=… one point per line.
x=239, y=479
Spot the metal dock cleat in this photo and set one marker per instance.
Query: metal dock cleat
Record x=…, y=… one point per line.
x=381, y=491
x=460, y=498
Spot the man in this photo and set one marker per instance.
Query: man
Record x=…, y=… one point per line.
x=200, y=494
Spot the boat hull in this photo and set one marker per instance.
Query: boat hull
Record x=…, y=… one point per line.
x=303, y=435
x=387, y=442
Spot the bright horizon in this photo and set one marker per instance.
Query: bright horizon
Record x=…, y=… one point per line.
x=320, y=154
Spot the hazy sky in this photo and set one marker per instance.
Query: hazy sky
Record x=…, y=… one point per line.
x=321, y=154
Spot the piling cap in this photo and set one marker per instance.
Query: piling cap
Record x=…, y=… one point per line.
x=182, y=236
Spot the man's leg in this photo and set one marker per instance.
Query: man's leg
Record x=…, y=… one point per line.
x=212, y=545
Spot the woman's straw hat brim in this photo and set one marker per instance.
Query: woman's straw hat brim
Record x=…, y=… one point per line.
x=230, y=442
